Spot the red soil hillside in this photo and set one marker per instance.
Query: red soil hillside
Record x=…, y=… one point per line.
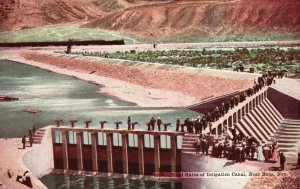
x=18, y=14
x=189, y=19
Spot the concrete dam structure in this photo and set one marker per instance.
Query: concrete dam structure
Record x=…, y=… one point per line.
x=269, y=115
x=142, y=152
x=108, y=150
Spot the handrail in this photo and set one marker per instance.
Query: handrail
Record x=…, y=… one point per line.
x=234, y=110
x=110, y=130
x=213, y=98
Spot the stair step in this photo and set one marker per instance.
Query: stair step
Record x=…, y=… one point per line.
x=188, y=145
x=39, y=135
x=287, y=138
x=287, y=150
x=293, y=132
x=189, y=152
x=288, y=129
x=189, y=138
x=286, y=145
x=291, y=120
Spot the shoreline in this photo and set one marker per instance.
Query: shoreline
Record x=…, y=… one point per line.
x=118, y=89
x=13, y=158
x=144, y=85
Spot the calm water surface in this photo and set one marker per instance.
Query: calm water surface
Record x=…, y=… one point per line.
x=63, y=97
x=69, y=181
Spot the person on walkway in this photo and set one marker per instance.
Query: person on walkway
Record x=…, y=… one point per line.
x=274, y=157
x=177, y=124
x=24, y=141
x=191, y=126
x=260, y=155
x=197, y=125
x=33, y=129
x=197, y=145
x=282, y=161
x=129, y=123
x=152, y=122
x=204, y=146
x=158, y=122
x=220, y=149
x=298, y=162
x=266, y=151
x=30, y=133
x=233, y=131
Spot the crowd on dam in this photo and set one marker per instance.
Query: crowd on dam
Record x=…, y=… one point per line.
x=200, y=124
x=241, y=149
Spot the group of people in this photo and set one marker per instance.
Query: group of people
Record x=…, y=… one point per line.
x=202, y=145
x=201, y=123
x=23, y=179
x=31, y=133
x=241, y=148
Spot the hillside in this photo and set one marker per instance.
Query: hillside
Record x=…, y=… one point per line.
x=206, y=19
x=160, y=20
x=21, y=14
x=32, y=13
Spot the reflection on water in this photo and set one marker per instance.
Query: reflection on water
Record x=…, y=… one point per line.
x=64, y=97
x=70, y=181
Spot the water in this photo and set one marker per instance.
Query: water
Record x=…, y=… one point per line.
x=63, y=97
x=69, y=181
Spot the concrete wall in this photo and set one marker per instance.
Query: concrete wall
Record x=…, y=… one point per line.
x=165, y=160
x=39, y=160
x=288, y=106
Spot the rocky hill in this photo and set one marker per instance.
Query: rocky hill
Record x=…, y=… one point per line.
x=162, y=19
x=202, y=19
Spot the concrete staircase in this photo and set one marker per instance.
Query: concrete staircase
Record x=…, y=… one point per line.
x=38, y=136
x=262, y=122
x=188, y=143
x=288, y=135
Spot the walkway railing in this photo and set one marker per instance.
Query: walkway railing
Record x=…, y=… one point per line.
x=226, y=122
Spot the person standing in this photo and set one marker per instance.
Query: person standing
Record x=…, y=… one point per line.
x=33, y=129
x=197, y=125
x=177, y=124
x=282, y=161
x=205, y=146
x=298, y=162
x=233, y=131
x=129, y=123
x=152, y=122
x=266, y=150
x=260, y=155
x=159, y=122
x=274, y=152
x=30, y=136
x=198, y=145
x=24, y=141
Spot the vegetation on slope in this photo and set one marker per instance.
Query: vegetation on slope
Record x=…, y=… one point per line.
x=262, y=59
